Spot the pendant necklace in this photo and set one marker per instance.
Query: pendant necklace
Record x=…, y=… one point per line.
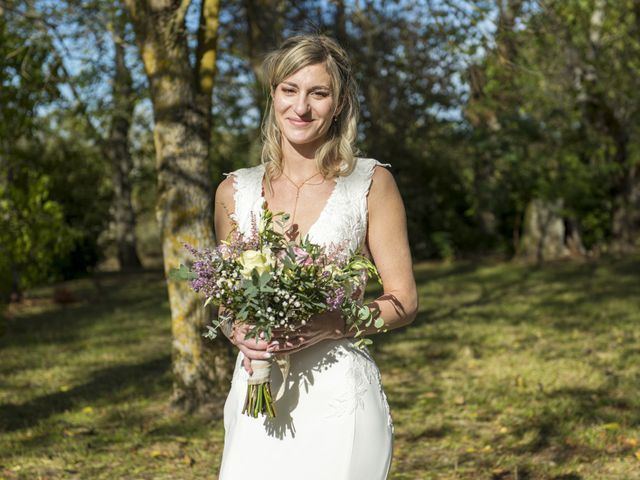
x=292, y=231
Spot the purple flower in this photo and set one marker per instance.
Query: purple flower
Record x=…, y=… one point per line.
x=335, y=300
x=302, y=257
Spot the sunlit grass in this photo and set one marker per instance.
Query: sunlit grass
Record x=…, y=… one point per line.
x=508, y=372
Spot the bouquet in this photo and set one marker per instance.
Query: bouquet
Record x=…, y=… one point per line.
x=274, y=285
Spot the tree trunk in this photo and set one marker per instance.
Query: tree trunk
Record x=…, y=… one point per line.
x=543, y=232
x=264, y=27
x=626, y=210
x=181, y=96
x=600, y=112
x=120, y=157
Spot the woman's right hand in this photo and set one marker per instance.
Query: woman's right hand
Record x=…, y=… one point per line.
x=252, y=348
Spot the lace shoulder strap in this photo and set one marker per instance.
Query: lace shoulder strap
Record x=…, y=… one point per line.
x=359, y=182
x=247, y=195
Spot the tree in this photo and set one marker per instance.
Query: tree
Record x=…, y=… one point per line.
x=118, y=150
x=181, y=93
x=87, y=19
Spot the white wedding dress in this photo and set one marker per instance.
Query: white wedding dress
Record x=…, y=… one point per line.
x=333, y=421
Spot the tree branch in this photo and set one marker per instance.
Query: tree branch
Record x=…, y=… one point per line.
x=206, y=51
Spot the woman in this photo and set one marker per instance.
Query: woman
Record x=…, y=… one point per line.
x=333, y=420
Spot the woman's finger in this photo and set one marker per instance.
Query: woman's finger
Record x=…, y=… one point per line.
x=246, y=362
x=254, y=344
x=252, y=354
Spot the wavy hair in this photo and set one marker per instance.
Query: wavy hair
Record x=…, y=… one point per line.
x=336, y=156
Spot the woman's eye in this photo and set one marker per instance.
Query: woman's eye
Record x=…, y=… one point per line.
x=321, y=94
x=288, y=91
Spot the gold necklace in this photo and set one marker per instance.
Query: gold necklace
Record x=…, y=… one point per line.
x=292, y=231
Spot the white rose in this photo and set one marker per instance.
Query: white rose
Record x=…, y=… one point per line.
x=256, y=260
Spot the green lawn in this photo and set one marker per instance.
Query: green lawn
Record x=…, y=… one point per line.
x=509, y=372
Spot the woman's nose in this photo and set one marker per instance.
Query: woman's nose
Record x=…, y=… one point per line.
x=301, y=106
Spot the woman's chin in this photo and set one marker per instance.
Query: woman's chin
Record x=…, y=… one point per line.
x=305, y=143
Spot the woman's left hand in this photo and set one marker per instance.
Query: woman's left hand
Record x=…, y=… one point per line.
x=325, y=326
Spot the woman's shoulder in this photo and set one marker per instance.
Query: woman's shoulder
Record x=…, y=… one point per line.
x=368, y=170
x=258, y=170
x=369, y=164
x=238, y=180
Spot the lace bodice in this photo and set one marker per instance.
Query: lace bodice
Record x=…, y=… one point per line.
x=343, y=219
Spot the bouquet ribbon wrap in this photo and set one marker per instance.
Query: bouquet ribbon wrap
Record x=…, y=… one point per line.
x=262, y=372
x=258, y=398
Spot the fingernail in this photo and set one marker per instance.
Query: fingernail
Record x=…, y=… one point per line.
x=267, y=355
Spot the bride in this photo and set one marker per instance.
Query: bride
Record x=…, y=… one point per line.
x=333, y=421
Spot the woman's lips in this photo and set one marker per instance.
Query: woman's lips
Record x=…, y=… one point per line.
x=298, y=122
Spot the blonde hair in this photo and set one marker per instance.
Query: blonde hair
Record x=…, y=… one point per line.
x=336, y=156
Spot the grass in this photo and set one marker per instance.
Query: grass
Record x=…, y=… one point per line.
x=509, y=372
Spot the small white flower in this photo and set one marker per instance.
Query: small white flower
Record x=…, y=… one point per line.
x=269, y=309
x=284, y=304
x=296, y=304
x=303, y=322
x=281, y=314
x=286, y=295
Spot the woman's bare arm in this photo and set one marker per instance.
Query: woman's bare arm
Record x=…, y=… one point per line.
x=388, y=243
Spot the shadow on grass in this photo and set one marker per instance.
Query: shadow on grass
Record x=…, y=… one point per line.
x=550, y=427
x=113, y=384
x=140, y=295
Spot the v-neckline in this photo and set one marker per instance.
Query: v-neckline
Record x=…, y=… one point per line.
x=322, y=212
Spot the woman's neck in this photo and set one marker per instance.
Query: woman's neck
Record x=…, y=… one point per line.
x=298, y=161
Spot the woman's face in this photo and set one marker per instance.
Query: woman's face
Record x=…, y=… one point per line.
x=304, y=106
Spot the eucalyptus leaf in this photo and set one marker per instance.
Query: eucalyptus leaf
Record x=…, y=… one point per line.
x=183, y=273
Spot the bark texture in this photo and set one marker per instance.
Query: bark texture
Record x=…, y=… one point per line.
x=264, y=27
x=543, y=232
x=181, y=95
x=119, y=155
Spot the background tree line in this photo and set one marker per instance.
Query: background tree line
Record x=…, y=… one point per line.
x=511, y=126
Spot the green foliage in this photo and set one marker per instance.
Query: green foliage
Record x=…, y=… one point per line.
x=555, y=114
x=33, y=233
